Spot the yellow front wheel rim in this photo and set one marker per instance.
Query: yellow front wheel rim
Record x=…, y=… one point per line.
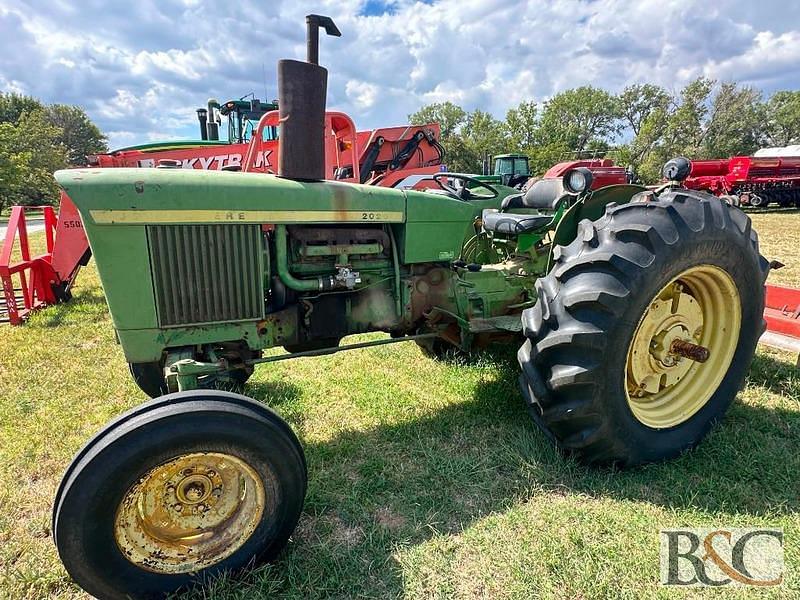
x=189, y=513
x=700, y=308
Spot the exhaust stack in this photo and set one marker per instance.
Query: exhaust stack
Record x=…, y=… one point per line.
x=202, y=117
x=302, y=87
x=212, y=116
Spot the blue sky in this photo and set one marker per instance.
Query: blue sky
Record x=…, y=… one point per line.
x=141, y=68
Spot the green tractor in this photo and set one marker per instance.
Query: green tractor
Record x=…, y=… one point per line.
x=636, y=314
x=508, y=169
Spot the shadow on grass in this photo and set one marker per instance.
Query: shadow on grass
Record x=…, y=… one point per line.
x=371, y=492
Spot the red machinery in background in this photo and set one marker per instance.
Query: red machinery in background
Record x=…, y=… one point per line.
x=370, y=154
x=32, y=281
x=749, y=180
x=782, y=314
x=382, y=157
x=604, y=171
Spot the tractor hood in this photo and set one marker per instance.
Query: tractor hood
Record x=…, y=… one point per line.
x=186, y=196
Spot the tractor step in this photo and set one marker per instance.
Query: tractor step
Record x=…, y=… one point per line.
x=510, y=323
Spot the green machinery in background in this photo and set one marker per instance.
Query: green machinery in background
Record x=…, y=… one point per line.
x=506, y=169
x=636, y=314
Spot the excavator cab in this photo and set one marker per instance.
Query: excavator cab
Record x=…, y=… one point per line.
x=242, y=119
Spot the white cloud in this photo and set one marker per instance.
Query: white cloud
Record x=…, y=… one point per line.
x=361, y=93
x=141, y=68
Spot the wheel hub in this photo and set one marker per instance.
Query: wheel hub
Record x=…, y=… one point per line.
x=673, y=315
x=189, y=513
x=682, y=346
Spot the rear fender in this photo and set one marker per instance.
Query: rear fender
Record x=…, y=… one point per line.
x=592, y=207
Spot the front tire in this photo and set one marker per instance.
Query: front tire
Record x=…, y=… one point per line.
x=599, y=373
x=178, y=490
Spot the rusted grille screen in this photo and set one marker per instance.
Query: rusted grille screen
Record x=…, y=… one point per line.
x=206, y=273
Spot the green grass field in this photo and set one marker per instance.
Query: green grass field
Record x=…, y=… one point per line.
x=427, y=479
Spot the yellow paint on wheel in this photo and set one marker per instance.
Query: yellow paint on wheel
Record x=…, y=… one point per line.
x=700, y=306
x=189, y=513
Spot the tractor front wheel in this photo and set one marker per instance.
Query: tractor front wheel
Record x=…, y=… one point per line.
x=644, y=329
x=182, y=488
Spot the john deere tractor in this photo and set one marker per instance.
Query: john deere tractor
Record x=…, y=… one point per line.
x=636, y=314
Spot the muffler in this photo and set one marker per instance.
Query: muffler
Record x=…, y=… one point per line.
x=302, y=88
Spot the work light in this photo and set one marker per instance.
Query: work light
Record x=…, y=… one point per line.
x=578, y=180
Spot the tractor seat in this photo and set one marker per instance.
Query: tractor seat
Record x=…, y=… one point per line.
x=513, y=223
x=542, y=194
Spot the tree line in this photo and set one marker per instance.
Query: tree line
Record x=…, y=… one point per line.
x=641, y=127
x=37, y=139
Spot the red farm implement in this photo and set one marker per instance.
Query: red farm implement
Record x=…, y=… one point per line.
x=749, y=180
x=782, y=314
x=30, y=280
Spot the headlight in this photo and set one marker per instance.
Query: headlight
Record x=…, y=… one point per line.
x=577, y=181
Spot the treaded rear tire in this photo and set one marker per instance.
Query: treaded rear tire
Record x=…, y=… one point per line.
x=573, y=360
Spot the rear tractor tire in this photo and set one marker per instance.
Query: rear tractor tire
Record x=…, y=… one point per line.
x=644, y=329
x=180, y=489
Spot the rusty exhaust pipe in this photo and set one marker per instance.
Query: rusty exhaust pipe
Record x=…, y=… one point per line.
x=302, y=87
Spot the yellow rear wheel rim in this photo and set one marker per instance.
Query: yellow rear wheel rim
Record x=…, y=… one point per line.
x=700, y=306
x=189, y=513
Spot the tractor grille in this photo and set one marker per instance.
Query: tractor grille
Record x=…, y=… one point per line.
x=206, y=273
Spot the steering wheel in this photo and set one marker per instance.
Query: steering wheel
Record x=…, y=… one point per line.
x=464, y=193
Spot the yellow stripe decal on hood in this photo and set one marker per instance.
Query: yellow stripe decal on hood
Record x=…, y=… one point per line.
x=141, y=217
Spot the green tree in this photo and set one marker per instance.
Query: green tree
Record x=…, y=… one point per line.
x=578, y=117
x=522, y=125
x=12, y=105
x=483, y=135
x=79, y=135
x=637, y=103
x=735, y=124
x=30, y=151
x=449, y=116
x=782, y=119
x=674, y=131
